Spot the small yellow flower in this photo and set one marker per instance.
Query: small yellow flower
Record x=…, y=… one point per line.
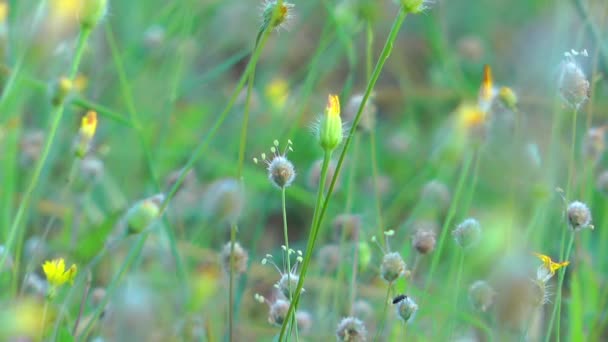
x=470, y=116
x=330, y=127
x=56, y=274
x=333, y=105
x=88, y=125
x=487, y=92
x=548, y=268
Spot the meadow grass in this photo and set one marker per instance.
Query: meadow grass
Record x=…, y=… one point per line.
x=478, y=126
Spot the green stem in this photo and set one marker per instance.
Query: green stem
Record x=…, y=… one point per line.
x=456, y=291
x=556, y=314
x=233, y=229
x=386, y=51
x=56, y=116
x=374, y=161
x=383, y=315
x=448, y=220
x=314, y=230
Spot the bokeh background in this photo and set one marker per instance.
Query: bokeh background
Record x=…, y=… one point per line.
x=160, y=73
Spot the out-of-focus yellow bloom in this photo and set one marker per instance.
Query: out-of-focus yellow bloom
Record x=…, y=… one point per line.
x=22, y=319
x=470, y=116
x=487, y=92
x=277, y=92
x=56, y=274
x=3, y=11
x=88, y=125
x=508, y=97
x=548, y=268
x=65, y=9
x=333, y=105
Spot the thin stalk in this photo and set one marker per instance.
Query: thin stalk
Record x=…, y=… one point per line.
x=386, y=51
x=556, y=314
x=456, y=291
x=383, y=315
x=233, y=229
x=43, y=322
x=310, y=244
x=374, y=161
x=448, y=221
x=56, y=116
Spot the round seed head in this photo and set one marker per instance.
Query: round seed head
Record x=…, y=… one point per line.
x=573, y=84
x=579, y=216
x=329, y=258
x=368, y=115
x=363, y=309
x=436, y=193
x=392, y=267
x=347, y=226
x=240, y=258
x=467, y=233
x=406, y=308
x=287, y=284
x=602, y=182
x=304, y=321
x=224, y=200
x=424, y=241
x=278, y=311
x=281, y=172
x=481, y=295
x=594, y=144
x=351, y=329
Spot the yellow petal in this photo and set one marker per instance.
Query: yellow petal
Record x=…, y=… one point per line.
x=333, y=105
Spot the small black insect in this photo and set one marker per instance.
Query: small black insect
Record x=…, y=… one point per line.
x=399, y=298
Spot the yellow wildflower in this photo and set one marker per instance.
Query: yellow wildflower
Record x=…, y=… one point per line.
x=487, y=92
x=548, y=268
x=330, y=128
x=56, y=274
x=88, y=126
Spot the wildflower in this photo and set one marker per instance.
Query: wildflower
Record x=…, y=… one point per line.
x=288, y=281
x=471, y=118
x=281, y=171
x=368, y=115
x=278, y=312
x=275, y=16
x=93, y=11
x=579, y=216
x=346, y=226
x=225, y=199
x=573, y=84
x=436, y=193
x=330, y=132
x=143, y=213
x=487, y=92
x=88, y=126
x=602, y=182
x=351, y=329
x=415, y=6
x=61, y=90
x=508, y=98
x=406, y=307
x=57, y=275
x=392, y=266
x=481, y=295
x=594, y=144
x=424, y=241
x=304, y=321
x=240, y=258
x=548, y=268
x=467, y=233
x=329, y=258
x=277, y=93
